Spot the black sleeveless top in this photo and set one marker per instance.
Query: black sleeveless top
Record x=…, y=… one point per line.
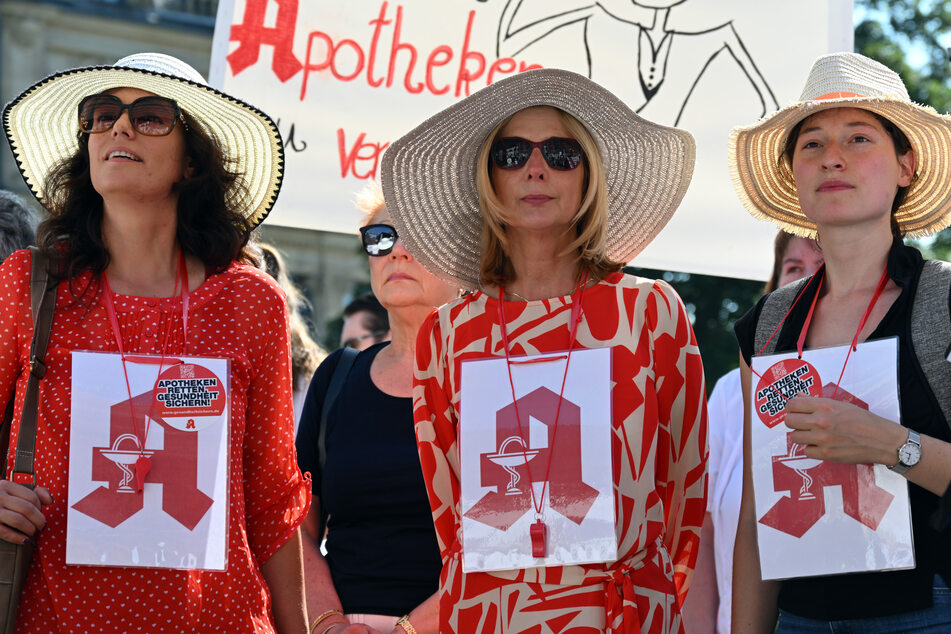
x=864, y=595
x=381, y=544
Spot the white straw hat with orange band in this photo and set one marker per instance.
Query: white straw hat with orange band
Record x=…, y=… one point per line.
x=765, y=184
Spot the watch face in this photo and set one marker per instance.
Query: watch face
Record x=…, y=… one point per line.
x=909, y=454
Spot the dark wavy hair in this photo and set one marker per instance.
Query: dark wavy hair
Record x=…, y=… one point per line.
x=208, y=228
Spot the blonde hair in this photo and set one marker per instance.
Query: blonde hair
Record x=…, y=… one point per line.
x=306, y=354
x=590, y=222
x=370, y=201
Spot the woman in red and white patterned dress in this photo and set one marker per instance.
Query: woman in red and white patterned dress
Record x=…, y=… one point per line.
x=153, y=191
x=566, y=184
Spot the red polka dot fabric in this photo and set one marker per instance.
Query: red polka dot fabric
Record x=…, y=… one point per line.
x=659, y=453
x=239, y=314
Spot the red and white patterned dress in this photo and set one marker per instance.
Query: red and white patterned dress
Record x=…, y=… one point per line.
x=239, y=314
x=658, y=446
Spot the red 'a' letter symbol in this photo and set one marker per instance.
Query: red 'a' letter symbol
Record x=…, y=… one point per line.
x=252, y=33
x=507, y=471
x=805, y=479
x=175, y=466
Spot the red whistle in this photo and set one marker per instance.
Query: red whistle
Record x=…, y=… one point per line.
x=539, y=534
x=142, y=467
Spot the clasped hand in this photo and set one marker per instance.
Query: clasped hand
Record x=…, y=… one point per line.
x=21, y=515
x=842, y=432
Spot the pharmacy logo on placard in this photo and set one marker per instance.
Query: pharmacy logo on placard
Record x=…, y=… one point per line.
x=517, y=463
x=175, y=466
x=804, y=480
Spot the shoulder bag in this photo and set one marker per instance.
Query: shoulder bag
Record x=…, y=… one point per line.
x=15, y=558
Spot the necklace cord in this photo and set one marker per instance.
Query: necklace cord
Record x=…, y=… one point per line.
x=801, y=340
x=181, y=277
x=576, y=314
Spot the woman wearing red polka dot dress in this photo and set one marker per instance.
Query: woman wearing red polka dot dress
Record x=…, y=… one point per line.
x=150, y=518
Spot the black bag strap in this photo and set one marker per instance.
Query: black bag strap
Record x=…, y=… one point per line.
x=43, y=302
x=931, y=330
x=337, y=379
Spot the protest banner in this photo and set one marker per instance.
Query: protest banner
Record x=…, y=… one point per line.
x=344, y=80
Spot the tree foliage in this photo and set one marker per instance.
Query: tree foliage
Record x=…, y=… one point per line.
x=892, y=28
x=888, y=31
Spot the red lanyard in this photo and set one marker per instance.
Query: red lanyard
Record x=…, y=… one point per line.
x=538, y=530
x=801, y=341
x=143, y=463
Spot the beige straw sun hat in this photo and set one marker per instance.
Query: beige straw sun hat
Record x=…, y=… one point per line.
x=845, y=80
x=42, y=123
x=428, y=175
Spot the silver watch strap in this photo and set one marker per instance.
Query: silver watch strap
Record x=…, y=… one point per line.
x=900, y=467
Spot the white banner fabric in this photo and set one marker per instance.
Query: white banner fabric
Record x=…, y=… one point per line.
x=343, y=80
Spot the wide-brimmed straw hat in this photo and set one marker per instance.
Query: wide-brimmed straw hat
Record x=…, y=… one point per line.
x=42, y=124
x=836, y=81
x=428, y=175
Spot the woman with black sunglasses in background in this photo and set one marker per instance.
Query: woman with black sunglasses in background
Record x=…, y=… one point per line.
x=533, y=193
x=154, y=182
x=382, y=560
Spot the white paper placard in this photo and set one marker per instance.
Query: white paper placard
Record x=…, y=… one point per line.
x=496, y=504
x=816, y=517
x=180, y=519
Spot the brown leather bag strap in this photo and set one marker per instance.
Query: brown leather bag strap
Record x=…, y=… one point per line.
x=43, y=300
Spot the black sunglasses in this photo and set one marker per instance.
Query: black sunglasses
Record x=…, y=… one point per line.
x=513, y=152
x=152, y=116
x=378, y=240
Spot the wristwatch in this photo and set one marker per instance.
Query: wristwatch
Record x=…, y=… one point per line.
x=908, y=454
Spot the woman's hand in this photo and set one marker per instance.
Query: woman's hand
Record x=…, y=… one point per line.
x=842, y=432
x=21, y=514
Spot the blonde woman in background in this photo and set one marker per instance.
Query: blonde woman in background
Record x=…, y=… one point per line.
x=382, y=564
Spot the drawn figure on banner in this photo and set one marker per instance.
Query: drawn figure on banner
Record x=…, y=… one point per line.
x=175, y=466
x=520, y=459
x=667, y=64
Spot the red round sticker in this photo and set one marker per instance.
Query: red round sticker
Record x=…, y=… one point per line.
x=189, y=391
x=782, y=381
